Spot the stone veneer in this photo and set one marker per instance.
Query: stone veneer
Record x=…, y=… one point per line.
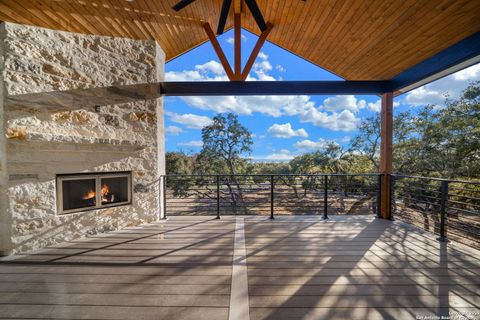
x=36, y=143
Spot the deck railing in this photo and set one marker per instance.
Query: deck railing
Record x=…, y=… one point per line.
x=278, y=194
x=449, y=208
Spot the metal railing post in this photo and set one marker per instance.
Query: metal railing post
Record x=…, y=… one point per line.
x=272, y=186
x=443, y=208
x=325, y=197
x=391, y=179
x=379, y=196
x=218, y=196
x=164, y=185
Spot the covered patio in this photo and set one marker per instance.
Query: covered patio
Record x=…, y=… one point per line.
x=302, y=267
x=83, y=99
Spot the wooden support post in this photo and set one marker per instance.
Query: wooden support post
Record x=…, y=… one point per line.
x=386, y=153
x=256, y=50
x=238, y=45
x=219, y=51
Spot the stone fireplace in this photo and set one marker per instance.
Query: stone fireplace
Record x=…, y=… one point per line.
x=68, y=172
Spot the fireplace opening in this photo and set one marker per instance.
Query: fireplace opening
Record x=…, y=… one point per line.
x=114, y=190
x=78, y=192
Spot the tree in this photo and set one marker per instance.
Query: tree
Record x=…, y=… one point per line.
x=178, y=163
x=225, y=141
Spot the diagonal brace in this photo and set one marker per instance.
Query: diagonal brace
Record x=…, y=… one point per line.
x=256, y=50
x=219, y=52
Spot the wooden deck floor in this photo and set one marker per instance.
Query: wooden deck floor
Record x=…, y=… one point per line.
x=349, y=267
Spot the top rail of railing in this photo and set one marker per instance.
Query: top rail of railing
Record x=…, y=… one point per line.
x=276, y=174
x=396, y=175
x=435, y=179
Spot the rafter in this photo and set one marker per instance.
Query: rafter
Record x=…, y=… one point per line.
x=257, y=14
x=182, y=4
x=223, y=16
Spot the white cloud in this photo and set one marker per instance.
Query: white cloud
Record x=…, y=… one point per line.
x=377, y=105
x=343, y=121
x=281, y=155
x=346, y=102
x=190, y=120
x=173, y=130
x=452, y=86
x=312, y=145
x=231, y=40
x=262, y=66
x=280, y=68
x=470, y=73
x=286, y=131
x=262, y=55
x=425, y=95
x=211, y=66
x=209, y=71
x=193, y=143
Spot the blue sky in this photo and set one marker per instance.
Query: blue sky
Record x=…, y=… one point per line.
x=282, y=126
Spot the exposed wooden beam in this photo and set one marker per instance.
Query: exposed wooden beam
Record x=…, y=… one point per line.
x=256, y=50
x=182, y=4
x=223, y=16
x=249, y=88
x=128, y=93
x=386, y=153
x=257, y=14
x=238, y=45
x=219, y=52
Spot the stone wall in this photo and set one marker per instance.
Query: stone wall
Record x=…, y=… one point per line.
x=41, y=142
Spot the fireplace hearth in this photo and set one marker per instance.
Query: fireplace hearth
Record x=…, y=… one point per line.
x=87, y=191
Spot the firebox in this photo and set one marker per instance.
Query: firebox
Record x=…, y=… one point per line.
x=88, y=191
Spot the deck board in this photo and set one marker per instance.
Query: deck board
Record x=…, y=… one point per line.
x=348, y=267
x=356, y=268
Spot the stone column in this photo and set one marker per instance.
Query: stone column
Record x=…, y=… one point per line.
x=44, y=140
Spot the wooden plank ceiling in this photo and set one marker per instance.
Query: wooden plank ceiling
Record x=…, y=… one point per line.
x=355, y=39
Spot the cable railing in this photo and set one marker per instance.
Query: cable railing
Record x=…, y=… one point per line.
x=449, y=208
x=278, y=194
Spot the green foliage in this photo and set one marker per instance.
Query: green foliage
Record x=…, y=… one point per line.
x=435, y=142
x=224, y=143
x=179, y=163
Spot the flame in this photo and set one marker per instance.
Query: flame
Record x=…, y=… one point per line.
x=89, y=195
x=105, y=190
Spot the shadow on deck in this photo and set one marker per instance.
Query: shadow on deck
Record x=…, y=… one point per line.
x=348, y=267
